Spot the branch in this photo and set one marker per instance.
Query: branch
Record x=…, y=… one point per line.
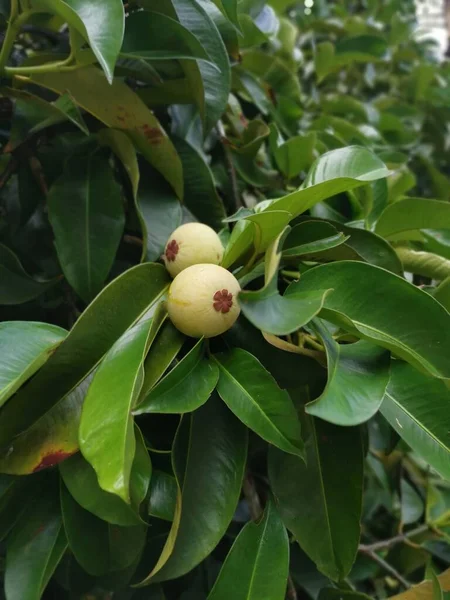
x=386, y=567
x=387, y=544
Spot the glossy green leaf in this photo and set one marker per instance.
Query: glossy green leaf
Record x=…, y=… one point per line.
x=257, y=564
x=162, y=352
x=26, y=346
x=108, y=443
x=280, y=315
x=200, y=194
x=186, y=387
x=289, y=370
x=370, y=311
x=240, y=241
x=332, y=173
x=209, y=456
x=160, y=211
x=154, y=36
x=98, y=328
x=273, y=71
x=413, y=214
x=81, y=481
x=17, y=286
x=416, y=406
x=216, y=80
x=359, y=245
x=99, y=546
x=102, y=28
x=358, y=375
x=35, y=547
x=163, y=496
x=310, y=496
x=118, y=106
x=294, y=155
x=267, y=227
x=17, y=494
x=311, y=238
x=255, y=398
x=87, y=218
x=442, y=293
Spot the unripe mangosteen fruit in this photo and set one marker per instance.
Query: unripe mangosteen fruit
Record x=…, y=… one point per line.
x=203, y=300
x=192, y=244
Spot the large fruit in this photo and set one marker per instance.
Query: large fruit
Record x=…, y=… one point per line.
x=203, y=300
x=192, y=244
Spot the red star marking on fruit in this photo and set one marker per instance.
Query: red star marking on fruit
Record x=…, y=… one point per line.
x=172, y=250
x=223, y=301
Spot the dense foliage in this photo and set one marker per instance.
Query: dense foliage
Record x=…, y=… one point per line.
x=304, y=453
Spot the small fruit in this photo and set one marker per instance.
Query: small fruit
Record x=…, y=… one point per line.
x=192, y=244
x=203, y=300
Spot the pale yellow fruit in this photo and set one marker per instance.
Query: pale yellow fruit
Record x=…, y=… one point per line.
x=203, y=300
x=192, y=244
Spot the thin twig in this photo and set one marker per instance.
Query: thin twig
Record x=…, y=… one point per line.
x=133, y=240
x=291, y=592
x=251, y=495
x=9, y=170
x=386, y=544
x=386, y=567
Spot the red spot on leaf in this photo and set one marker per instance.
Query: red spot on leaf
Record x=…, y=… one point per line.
x=243, y=120
x=52, y=459
x=153, y=134
x=120, y=107
x=324, y=438
x=39, y=530
x=120, y=118
x=272, y=96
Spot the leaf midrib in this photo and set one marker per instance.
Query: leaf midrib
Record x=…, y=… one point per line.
x=253, y=402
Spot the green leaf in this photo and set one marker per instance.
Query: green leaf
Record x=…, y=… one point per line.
x=201, y=196
x=240, y=241
x=162, y=352
x=358, y=375
x=370, y=311
x=310, y=238
x=295, y=155
x=267, y=227
x=186, y=387
x=25, y=346
x=159, y=209
x=118, y=106
x=81, y=481
x=359, y=245
x=163, y=496
x=257, y=564
x=35, y=547
x=50, y=440
x=153, y=36
x=209, y=458
x=17, y=286
x=332, y=173
x=86, y=213
x=17, y=494
x=442, y=293
x=99, y=546
x=98, y=328
x=216, y=81
x=33, y=114
x=412, y=214
x=255, y=398
x=310, y=496
x=360, y=48
x=109, y=444
x=416, y=406
x=102, y=28
x=280, y=315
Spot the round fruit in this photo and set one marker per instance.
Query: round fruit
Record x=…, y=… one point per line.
x=192, y=244
x=203, y=300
